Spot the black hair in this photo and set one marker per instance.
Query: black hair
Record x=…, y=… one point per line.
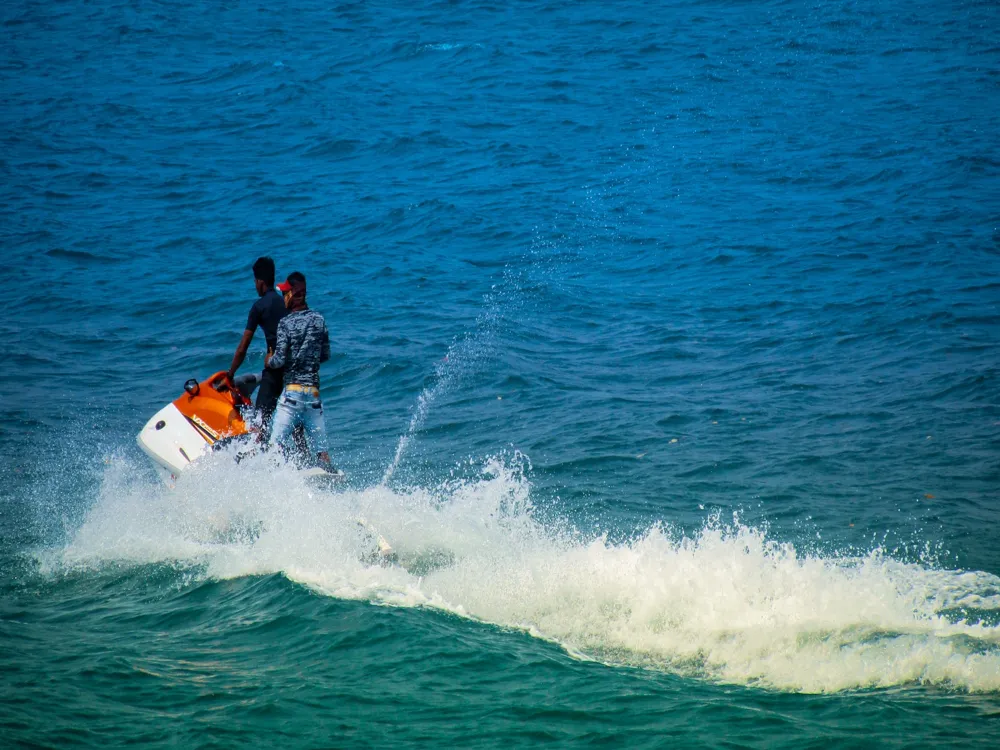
x=297, y=301
x=263, y=270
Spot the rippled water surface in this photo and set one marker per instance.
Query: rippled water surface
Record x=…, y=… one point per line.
x=665, y=352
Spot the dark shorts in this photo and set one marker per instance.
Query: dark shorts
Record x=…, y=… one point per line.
x=271, y=383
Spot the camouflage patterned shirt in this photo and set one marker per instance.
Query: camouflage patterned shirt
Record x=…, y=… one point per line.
x=303, y=342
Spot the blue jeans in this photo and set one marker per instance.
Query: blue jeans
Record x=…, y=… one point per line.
x=299, y=407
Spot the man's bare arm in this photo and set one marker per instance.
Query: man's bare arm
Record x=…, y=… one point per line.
x=241, y=353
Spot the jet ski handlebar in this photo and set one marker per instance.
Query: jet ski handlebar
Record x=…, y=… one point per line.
x=222, y=383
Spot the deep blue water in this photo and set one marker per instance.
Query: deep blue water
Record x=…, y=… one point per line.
x=666, y=351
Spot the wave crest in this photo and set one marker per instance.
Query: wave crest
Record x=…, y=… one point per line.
x=726, y=604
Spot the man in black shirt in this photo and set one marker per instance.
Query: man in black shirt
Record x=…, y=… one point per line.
x=265, y=312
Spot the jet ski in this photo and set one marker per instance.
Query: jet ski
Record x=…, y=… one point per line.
x=209, y=415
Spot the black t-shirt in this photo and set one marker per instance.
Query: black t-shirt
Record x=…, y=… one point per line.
x=266, y=312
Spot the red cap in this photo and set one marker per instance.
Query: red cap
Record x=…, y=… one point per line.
x=295, y=282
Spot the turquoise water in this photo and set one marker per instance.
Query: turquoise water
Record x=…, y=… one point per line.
x=665, y=353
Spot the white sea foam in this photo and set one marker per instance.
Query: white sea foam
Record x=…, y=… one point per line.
x=726, y=604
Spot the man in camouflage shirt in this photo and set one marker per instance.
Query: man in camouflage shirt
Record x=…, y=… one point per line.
x=303, y=342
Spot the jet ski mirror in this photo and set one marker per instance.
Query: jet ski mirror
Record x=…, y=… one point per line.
x=191, y=386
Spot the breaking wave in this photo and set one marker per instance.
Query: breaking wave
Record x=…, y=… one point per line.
x=726, y=604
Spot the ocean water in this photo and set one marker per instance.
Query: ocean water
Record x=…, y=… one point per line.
x=666, y=353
